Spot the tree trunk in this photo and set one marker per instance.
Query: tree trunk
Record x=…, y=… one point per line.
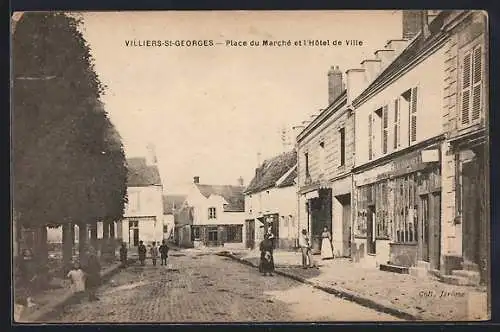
x=82, y=241
x=43, y=248
x=67, y=244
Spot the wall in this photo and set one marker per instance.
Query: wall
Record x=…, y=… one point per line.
x=327, y=132
x=144, y=201
x=428, y=76
x=150, y=230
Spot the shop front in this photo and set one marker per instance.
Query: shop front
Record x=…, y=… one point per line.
x=217, y=235
x=319, y=215
x=398, y=211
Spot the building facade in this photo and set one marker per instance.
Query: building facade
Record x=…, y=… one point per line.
x=143, y=217
x=171, y=205
x=325, y=159
x=270, y=202
x=212, y=215
x=465, y=218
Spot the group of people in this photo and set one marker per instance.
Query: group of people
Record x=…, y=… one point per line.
x=266, y=264
x=154, y=251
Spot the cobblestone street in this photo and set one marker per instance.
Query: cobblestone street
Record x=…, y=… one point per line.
x=204, y=287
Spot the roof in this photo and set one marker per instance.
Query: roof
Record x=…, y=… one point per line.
x=171, y=202
x=416, y=47
x=232, y=194
x=290, y=179
x=272, y=170
x=140, y=174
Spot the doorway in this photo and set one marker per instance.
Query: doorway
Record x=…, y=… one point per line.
x=371, y=244
x=470, y=212
x=133, y=227
x=345, y=201
x=250, y=233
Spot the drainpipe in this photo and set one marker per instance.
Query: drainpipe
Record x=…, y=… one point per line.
x=353, y=185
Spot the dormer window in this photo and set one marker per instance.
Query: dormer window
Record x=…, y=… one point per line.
x=212, y=213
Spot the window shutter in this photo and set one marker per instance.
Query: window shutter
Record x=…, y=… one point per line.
x=476, y=90
x=413, y=119
x=370, y=138
x=466, y=84
x=385, y=122
x=396, y=124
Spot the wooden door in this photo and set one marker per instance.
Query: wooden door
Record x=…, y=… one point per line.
x=425, y=232
x=434, y=236
x=346, y=229
x=371, y=244
x=250, y=233
x=470, y=215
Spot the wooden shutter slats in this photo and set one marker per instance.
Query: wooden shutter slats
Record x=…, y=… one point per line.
x=370, y=138
x=413, y=118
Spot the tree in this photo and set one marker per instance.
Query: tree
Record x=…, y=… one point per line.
x=67, y=158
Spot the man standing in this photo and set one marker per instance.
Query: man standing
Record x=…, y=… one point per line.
x=163, y=252
x=142, y=252
x=305, y=246
x=154, y=253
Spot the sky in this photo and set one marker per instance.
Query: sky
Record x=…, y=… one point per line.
x=209, y=111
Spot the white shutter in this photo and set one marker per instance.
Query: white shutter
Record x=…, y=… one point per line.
x=397, y=123
x=413, y=115
x=476, y=84
x=385, y=127
x=466, y=88
x=370, y=138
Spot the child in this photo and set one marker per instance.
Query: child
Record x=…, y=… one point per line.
x=164, y=252
x=142, y=252
x=154, y=253
x=77, y=278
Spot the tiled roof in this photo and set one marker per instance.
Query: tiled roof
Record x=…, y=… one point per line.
x=272, y=170
x=232, y=194
x=140, y=174
x=171, y=202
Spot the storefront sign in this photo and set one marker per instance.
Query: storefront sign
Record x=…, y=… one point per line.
x=312, y=194
x=429, y=156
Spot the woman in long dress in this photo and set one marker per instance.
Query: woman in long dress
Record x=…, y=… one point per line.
x=266, y=256
x=326, y=244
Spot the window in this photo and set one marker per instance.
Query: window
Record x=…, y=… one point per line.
x=378, y=135
x=370, y=137
x=306, y=155
x=342, y=146
x=322, y=160
x=292, y=221
x=382, y=224
x=212, y=234
x=385, y=128
x=133, y=201
x=405, y=209
x=397, y=125
x=235, y=233
x=408, y=103
x=212, y=213
x=471, y=87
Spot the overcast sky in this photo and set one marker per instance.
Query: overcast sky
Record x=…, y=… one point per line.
x=210, y=110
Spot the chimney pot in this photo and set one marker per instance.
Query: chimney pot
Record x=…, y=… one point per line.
x=196, y=179
x=240, y=181
x=335, y=84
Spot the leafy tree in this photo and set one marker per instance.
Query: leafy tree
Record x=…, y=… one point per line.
x=67, y=158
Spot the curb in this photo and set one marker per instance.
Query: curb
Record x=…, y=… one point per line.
x=45, y=313
x=345, y=294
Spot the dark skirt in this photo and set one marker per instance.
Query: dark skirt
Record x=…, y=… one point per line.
x=93, y=281
x=266, y=265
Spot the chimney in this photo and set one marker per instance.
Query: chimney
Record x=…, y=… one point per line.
x=385, y=56
x=372, y=68
x=196, y=180
x=240, y=181
x=151, y=154
x=334, y=84
x=355, y=80
x=397, y=45
x=412, y=23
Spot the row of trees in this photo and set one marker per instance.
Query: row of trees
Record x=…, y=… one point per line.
x=68, y=163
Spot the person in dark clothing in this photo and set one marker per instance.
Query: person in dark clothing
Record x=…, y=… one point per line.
x=93, y=273
x=163, y=252
x=28, y=271
x=123, y=254
x=142, y=252
x=266, y=256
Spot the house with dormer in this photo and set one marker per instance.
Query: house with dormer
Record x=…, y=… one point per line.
x=211, y=215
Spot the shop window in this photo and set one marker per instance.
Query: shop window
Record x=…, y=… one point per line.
x=471, y=86
x=235, y=233
x=212, y=213
x=382, y=223
x=405, y=210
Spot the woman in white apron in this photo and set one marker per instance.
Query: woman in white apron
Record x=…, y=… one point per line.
x=326, y=244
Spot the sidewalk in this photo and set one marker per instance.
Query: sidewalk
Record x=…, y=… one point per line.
x=401, y=295
x=57, y=296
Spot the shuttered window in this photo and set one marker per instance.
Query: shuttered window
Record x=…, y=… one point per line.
x=413, y=115
x=385, y=127
x=370, y=137
x=397, y=124
x=471, y=94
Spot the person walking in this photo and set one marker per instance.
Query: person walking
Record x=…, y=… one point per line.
x=163, y=252
x=326, y=244
x=154, y=253
x=123, y=254
x=305, y=246
x=93, y=274
x=142, y=252
x=266, y=264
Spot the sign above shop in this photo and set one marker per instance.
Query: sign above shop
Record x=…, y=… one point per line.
x=430, y=156
x=312, y=194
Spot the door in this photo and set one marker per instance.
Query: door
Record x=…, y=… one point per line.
x=250, y=233
x=425, y=234
x=434, y=235
x=371, y=244
x=346, y=229
x=470, y=212
x=213, y=237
